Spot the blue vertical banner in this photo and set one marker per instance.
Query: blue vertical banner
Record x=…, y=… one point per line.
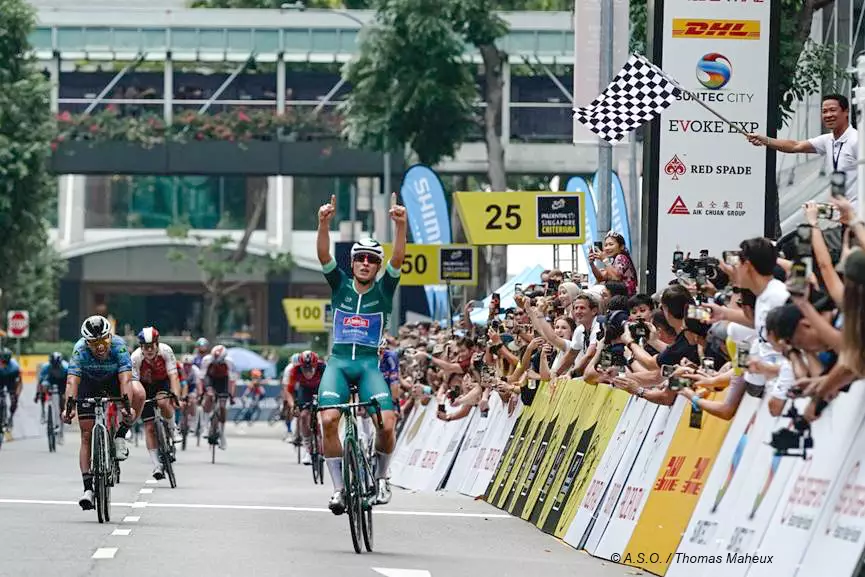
x=618, y=209
x=577, y=184
x=423, y=196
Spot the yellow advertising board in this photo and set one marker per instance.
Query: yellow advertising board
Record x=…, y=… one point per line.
x=502, y=218
x=437, y=264
x=677, y=489
x=306, y=315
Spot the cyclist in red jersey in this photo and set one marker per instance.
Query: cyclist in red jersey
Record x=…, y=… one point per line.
x=304, y=379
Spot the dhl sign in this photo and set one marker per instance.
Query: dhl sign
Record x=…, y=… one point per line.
x=716, y=29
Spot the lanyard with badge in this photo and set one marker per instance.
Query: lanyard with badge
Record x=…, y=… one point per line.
x=836, y=157
x=838, y=180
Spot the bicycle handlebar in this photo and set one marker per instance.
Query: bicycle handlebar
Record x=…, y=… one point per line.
x=347, y=406
x=124, y=400
x=164, y=395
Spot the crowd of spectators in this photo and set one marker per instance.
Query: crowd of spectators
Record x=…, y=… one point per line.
x=772, y=320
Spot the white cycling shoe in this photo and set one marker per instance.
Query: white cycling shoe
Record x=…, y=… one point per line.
x=86, y=500
x=120, y=449
x=158, y=472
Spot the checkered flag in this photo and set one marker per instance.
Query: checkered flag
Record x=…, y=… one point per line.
x=638, y=94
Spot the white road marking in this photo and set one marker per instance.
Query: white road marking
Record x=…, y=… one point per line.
x=122, y=532
x=387, y=572
x=105, y=553
x=146, y=491
x=143, y=504
x=150, y=482
x=131, y=519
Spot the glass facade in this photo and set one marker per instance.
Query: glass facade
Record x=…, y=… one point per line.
x=312, y=192
x=202, y=202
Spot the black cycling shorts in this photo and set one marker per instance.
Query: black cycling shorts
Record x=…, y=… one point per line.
x=90, y=387
x=303, y=396
x=151, y=389
x=219, y=385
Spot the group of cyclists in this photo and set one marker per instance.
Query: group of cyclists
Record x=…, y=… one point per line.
x=101, y=365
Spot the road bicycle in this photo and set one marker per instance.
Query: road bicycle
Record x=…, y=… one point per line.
x=164, y=437
x=103, y=461
x=216, y=428
x=360, y=491
x=53, y=424
x=316, y=449
x=3, y=415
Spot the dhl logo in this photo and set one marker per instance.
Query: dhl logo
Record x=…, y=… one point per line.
x=716, y=29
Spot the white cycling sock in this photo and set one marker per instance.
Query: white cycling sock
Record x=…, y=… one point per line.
x=154, y=456
x=334, y=465
x=383, y=464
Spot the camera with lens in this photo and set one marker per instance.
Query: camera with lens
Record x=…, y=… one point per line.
x=703, y=269
x=497, y=326
x=786, y=441
x=639, y=330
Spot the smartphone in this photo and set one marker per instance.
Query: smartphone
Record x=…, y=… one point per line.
x=678, y=258
x=677, y=383
x=599, y=246
x=667, y=371
x=518, y=289
x=699, y=313
x=838, y=184
x=497, y=297
x=442, y=408
x=797, y=284
x=803, y=241
x=731, y=257
x=828, y=212
x=709, y=364
x=606, y=359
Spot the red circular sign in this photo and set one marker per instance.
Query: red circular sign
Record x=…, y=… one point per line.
x=18, y=324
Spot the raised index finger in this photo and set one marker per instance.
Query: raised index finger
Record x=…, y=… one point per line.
x=333, y=200
x=393, y=201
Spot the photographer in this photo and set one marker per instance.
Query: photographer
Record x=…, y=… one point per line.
x=610, y=360
x=675, y=301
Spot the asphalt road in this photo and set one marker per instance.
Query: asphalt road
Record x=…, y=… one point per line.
x=254, y=513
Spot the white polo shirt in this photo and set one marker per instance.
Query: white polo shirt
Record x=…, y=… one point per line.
x=843, y=153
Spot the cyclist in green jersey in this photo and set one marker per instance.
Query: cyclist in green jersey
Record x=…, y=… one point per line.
x=361, y=305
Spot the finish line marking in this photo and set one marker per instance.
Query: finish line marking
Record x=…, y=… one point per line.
x=141, y=505
x=105, y=553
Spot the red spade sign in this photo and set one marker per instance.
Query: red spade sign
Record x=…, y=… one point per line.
x=18, y=324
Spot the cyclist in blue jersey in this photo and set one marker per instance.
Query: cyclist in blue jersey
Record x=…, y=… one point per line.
x=389, y=367
x=202, y=347
x=361, y=304
x=100, y=366
x=52, y=374
x=10, y=380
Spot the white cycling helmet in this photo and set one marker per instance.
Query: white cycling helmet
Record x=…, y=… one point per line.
x=95, y=328
x=219, y=353
x=188, y=359
x=367, y=246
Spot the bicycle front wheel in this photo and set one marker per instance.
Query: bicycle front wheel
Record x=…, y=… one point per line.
x=165, y=451
x=100, y=476
x=49, y=429
x=353, y=492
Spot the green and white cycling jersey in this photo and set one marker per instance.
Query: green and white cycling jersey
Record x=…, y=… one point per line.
x=359, y=320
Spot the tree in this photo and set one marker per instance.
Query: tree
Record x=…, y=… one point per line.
x=347, y=4
x=804, y=66
x=29, y=268
x=219, y=259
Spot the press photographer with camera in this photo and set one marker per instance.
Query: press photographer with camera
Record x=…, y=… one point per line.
x=611, y=262
x=610, y=359
x=675, y=301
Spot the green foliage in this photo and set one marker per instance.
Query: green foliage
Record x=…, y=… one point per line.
x=350, y=4
x=28, y=268
x=410, y=84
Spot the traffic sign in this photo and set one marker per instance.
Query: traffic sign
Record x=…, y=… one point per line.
x=437, y=264
x=306, y=315
x=18, y=324
x=501, y=218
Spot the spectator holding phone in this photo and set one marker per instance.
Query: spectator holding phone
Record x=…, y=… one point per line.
x=612, y=262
